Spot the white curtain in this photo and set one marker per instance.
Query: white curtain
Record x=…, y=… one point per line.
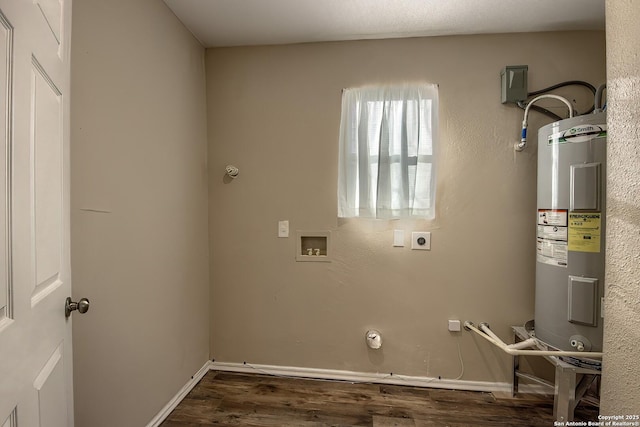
x=387, y=151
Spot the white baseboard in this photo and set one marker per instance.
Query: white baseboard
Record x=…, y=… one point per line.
x=338, y=375
x=164, y=412
x=378, y=378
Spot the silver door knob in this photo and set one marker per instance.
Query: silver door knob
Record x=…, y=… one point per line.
x=82, y=306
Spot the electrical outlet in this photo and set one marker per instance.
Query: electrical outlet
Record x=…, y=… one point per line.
x=421, y=240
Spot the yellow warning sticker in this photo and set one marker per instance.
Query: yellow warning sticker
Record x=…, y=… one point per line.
x=584, y=232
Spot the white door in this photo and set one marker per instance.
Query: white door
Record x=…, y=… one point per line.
x=35, y=335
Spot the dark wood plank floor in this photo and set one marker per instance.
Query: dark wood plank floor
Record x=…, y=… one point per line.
x=235, y=399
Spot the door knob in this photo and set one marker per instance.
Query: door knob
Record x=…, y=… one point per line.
x=82, y=306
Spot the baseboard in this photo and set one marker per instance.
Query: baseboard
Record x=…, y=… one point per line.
x=339, y=375
x=378, y=378
x=164, y=412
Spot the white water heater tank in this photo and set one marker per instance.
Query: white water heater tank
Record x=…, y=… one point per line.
x=571, y=225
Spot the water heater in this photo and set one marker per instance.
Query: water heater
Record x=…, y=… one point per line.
x=571, y=223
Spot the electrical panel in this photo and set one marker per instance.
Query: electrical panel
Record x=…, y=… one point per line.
x=514, y=83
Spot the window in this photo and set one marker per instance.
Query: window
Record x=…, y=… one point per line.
x=387, y=152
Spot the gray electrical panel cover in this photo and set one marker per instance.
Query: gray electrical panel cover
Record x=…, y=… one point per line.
x=514, y=83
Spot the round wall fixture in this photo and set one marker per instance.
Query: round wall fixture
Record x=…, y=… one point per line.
x=231, y=171
x=374, y=339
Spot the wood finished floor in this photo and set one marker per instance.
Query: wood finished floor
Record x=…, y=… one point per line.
x=236, y=399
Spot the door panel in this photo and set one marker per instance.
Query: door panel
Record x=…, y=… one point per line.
x=35, y=337
x=46, y=152
x=11, y=420
x=51, y=392
x=6, y=48
x=51, y=12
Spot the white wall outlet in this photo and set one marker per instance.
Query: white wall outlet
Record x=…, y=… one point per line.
x=283, y=228
x=454, y=325
x=421, y=240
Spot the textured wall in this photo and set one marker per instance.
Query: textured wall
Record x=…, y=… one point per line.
x=138, y=148
x=274, y=112
x=620, y=391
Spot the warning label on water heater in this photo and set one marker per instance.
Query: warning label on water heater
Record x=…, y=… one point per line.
x=584, y=232
x=552, y=217
x=552, y=236
x=551, y=252
x=552, y=232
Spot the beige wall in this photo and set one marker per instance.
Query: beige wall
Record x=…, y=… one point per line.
x=138, y=148
x=274, y=112
x=620, y=393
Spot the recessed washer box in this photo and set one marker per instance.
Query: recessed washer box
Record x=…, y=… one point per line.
x=421, y=240
x=313, y=246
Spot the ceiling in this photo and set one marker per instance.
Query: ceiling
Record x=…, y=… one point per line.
x=262, y=22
